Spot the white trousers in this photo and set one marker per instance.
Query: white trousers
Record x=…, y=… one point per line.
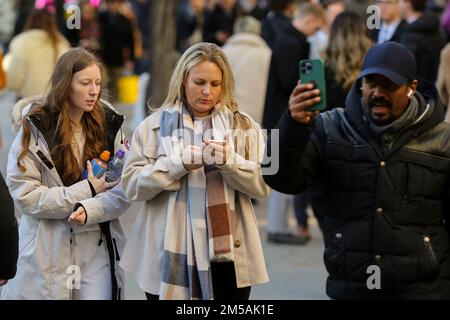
x=91, y=259
x=278, y=208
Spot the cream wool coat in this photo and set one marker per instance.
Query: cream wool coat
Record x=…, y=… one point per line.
x=150, y=176
x=31, y=62
x=249, y=57
x=44, y=232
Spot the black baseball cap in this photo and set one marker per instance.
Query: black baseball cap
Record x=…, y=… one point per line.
x=390, y=59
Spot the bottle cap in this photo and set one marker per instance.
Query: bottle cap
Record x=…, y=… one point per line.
x=105, y=155
x=120, y=154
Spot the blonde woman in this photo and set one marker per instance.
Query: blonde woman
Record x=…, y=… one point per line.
x=344, y=56
x=196, y=236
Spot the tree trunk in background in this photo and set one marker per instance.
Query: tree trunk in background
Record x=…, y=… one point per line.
x=162, y=48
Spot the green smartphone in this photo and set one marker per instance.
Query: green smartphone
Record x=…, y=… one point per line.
x=312, y=71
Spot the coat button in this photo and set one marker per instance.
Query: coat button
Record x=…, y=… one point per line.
x=426, y=239
x=237, y=243
x=382, y=164
x=377, y=258
x=380, y=210
x=338, y=235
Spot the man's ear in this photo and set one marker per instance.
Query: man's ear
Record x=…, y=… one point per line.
x=412, y=88
x=414, y=84
x=358, y=86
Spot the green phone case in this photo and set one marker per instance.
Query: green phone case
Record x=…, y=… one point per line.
x=312, y=71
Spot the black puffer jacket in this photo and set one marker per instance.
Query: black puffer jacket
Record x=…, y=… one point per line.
x=381, y=209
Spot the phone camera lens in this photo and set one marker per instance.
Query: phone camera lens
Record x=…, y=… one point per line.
x=306, y=68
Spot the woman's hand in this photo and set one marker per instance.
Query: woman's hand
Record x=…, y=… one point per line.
x=78, y=217
x=100, y=185
x=303, y=97
x=192, y=158
x=216, y=152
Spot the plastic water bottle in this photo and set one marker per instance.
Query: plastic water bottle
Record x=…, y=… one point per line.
x=99, y=166
x=115, y=167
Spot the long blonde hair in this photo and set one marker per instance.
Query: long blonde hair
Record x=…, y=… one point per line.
x=192, y=57
x=347, y=47
x=53, y=114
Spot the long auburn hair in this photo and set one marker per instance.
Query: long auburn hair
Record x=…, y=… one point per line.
x=53, y=113
x=44, y=20
x=347, y=47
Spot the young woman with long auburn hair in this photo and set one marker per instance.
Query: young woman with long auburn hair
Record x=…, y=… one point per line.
x=70, y=235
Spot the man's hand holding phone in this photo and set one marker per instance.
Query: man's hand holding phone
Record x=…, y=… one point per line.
x=302, y=98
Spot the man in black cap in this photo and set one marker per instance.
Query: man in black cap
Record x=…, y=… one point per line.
x=383, y=164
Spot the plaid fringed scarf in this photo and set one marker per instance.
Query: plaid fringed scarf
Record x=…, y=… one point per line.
x=199, y=218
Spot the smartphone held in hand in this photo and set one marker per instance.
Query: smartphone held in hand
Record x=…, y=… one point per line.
x=312, y=71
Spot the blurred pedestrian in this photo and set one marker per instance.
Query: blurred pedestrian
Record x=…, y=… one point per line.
x=117, y=45
x=319, y=40
x=196, y=236
x=392, y=24
x=90, y=33
x=278, y=18
x=249, y=57
x=423, y=36
x=347, y=34
x=33, y=54
x=383, y=164
x=219, y=22
x=190, y=20
x=289, y=48
x=253, y=8
x=443, y=80
x=70, y=234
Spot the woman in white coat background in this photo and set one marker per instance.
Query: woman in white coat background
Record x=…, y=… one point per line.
x=33, y=54
x=249, y=57
x=196, y=164
x=70, y=235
